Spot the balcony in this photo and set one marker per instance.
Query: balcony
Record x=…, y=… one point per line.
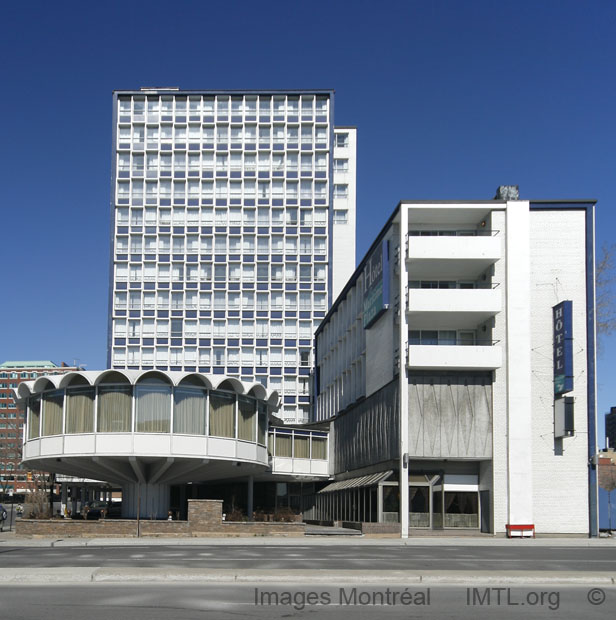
x=486, y=356
x=447, y=308
x=452, y=253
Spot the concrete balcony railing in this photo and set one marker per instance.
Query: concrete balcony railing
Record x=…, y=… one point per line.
x=438, y=252
x=446, y=308
x=455, y=357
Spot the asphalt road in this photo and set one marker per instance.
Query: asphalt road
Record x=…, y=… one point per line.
x=331, y=557
x=254, y=601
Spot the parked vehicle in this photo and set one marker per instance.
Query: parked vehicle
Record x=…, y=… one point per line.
x=100, y=510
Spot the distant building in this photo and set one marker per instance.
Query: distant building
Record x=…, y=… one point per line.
x=12, y=373
x=610, y=428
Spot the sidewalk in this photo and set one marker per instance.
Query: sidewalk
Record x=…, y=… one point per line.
x=8, y=539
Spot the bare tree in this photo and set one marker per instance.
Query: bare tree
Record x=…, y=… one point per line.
x=607, y=481
x=605, y=279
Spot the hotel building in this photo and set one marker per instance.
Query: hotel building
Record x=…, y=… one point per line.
x=233, y=219
x=457, y=371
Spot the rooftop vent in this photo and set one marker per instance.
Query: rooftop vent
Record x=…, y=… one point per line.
x=159, y=88
x=507, y=192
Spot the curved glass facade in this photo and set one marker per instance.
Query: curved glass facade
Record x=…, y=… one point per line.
x=150, y=406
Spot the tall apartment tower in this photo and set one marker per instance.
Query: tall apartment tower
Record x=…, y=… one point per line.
x=233, y=229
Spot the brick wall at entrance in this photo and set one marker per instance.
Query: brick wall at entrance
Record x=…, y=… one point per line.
x=204, y=519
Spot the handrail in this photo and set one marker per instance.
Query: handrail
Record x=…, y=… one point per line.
x=470, y=232
x=458, y=342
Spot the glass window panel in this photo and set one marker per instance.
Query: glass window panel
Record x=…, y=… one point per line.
x=52, y=413
x=222, y=414
x=283, y=445
x=114, y=409
x=319, y=448
x=246, y=420
x=189, y=411
x=153, y=409
x=80, y=411
x=34, y=418
x=301, y=447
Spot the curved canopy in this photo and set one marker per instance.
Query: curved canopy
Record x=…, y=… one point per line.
x=133, y=377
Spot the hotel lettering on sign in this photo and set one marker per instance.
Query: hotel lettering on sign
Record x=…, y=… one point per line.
x=376, y=280
x=563, y=347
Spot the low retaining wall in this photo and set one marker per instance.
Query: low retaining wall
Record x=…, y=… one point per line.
x=204, y=519
x=366, y=527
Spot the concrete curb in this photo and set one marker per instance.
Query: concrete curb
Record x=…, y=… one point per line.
x=309, y=541
x=82, y=575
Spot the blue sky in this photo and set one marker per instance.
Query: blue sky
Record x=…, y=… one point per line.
x=451, y=99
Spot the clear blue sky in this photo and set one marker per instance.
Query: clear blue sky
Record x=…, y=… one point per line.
x=451, y=99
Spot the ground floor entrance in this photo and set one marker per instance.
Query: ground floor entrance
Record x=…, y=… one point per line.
x=437, y=500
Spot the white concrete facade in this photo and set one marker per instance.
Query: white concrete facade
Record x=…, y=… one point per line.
x=477, y=284
x=345, y=202
x=233, y=223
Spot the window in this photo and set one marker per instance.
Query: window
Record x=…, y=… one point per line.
x=341, y=165
x=341, y=190
x=340, y=216
x=342, y=140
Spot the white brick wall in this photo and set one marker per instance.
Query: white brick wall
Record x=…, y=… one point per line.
x=560, y=482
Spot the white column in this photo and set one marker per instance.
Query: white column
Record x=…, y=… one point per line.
x=403, y=380
x=519, y=412
x=63, y=498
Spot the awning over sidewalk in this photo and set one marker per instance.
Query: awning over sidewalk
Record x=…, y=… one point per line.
x=353, y=483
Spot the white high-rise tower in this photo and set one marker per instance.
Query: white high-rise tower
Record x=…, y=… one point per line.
x=233, y=229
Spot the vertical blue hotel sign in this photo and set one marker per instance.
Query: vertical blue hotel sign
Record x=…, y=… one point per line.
x=563, y=347
x=376, y=284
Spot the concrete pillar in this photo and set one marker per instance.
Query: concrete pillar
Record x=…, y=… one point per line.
x=152, y=499
x=74, y=499
x=250, y=498
x=63, y=498
x=83, y=497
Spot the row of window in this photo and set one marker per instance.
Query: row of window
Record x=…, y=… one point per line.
x=137, y=163
x=233, y=358
x=223, y=216
x=223, y=300
x=223, y=189
x=445, y=337
x=218, y=328
x=224, y=104
x=19, y=375
x=208, y=134
x=220, y=244
x=232, y=272
x=158, y=409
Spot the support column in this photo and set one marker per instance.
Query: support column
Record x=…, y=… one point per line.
x=250, y=498
x=154, y=501
x=63, y=498
x=73, y=500
x=519, y=403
